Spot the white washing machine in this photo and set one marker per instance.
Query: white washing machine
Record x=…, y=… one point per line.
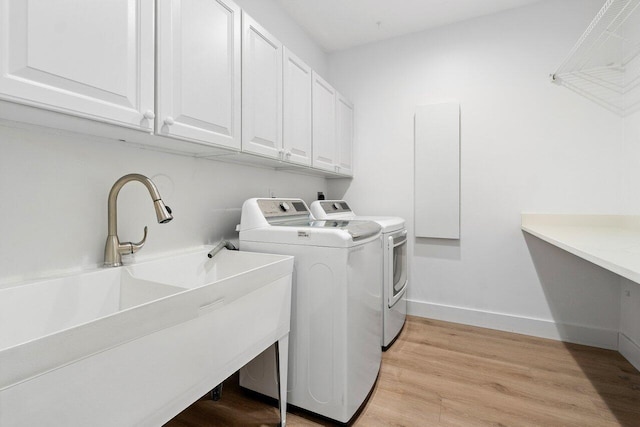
x=334, y=342
x=394, y=259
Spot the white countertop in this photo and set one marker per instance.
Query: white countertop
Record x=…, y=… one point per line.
x=610, y=241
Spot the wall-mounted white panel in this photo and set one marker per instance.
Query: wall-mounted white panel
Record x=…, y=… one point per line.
x=437, y=171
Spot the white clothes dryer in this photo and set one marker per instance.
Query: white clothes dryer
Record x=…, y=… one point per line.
x=334, y=347
x=394, y=260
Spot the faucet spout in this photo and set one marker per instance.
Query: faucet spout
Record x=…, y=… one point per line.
x=220, y=246
x=114, y=249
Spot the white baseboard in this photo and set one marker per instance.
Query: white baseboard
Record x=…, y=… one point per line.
x=602, y=338
x=630, y=350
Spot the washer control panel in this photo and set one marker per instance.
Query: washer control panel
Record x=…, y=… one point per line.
x=282, y=208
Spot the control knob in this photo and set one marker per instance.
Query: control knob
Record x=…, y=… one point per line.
x=284, y=206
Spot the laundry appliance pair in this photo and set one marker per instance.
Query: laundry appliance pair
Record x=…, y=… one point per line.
x=337, y=299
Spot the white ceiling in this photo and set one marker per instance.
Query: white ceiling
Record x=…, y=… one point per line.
x=341, y=24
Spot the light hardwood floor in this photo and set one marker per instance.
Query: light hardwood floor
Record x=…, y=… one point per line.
x=446, y=374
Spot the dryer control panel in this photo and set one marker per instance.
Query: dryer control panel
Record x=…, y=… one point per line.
x=335, y=206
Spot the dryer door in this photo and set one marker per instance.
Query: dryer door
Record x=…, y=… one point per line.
x=397, y=280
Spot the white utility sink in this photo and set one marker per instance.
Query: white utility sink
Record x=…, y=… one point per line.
x=135, y=345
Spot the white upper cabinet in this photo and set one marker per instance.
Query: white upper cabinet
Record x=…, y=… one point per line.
x=198, y=73
x=332, y=129
x=324, y=124
x=297, y=110
x=344, y=134
x=261, y=90
x=88, y=58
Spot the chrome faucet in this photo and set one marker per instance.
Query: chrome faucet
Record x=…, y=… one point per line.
x=224, y=244
x=114, y=250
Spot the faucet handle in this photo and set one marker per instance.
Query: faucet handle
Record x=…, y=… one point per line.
x=127, y=248
x=135, y=247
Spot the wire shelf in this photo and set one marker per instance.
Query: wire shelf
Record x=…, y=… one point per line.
x=604, y=65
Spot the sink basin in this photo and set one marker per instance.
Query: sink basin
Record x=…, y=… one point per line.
x=195, y=269
x=106, y=335
x=40, y=308
x=47, y=323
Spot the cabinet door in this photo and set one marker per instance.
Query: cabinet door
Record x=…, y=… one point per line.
x=324, y=124
x=261, y=90
x=199, y=71
x=344, y=134
x=296, y=101
x=89, y=58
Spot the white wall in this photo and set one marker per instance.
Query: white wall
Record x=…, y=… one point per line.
x=54, y=187
x=526, y=146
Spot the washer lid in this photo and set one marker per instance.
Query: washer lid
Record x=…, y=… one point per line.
x=357, y=229
x=388, y=223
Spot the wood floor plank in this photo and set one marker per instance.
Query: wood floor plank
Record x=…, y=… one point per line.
x=446, y=374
